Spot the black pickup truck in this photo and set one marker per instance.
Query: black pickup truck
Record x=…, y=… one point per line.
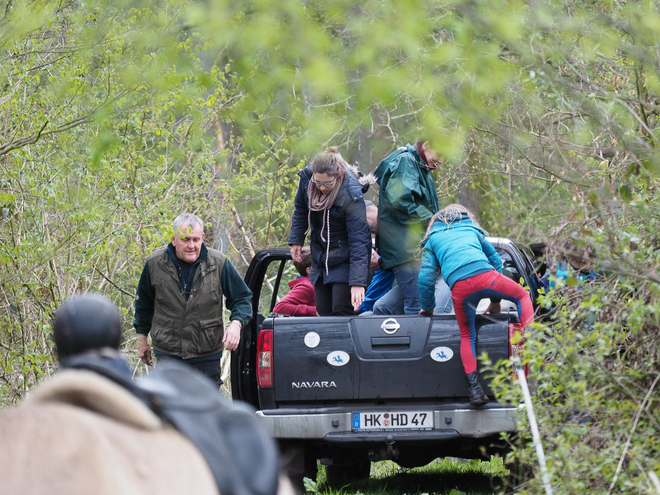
x=351, y=390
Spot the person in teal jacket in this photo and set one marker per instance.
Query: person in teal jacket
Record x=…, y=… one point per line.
x=407, y=200
x=456, y=247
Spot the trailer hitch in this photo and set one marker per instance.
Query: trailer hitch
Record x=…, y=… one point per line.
x=389, y=452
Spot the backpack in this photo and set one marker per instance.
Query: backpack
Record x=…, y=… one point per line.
x=242, y=456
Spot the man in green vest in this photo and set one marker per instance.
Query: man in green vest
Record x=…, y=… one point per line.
x=406, y=201
x=179, y=301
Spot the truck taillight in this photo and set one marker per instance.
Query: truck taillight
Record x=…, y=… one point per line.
x=516, y=347
x=265, y=359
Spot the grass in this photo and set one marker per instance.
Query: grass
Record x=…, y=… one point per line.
x=447, y=476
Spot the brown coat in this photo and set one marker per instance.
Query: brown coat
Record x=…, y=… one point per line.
x=79, y=433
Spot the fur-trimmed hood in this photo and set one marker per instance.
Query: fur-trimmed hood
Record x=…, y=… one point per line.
x=365, y=180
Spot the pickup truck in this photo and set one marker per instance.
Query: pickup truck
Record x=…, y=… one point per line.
x=351, y=390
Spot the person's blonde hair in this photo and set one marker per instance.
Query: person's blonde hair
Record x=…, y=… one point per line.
x=451, y=213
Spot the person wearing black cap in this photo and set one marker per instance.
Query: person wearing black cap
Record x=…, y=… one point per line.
x=89, y=325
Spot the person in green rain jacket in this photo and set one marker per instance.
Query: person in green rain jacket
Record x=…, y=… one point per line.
x=407, y=200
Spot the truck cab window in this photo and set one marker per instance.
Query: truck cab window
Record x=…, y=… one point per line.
x=278, y=275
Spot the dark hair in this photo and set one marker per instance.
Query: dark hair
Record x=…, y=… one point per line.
x=330, y=162
x=302, y=266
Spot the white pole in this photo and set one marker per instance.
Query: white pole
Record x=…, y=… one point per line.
x=655, y=481
x=536, y=437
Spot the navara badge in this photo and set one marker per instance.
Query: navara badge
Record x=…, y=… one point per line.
x=390, y=326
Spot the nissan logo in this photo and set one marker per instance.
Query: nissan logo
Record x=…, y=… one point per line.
x=390, y=326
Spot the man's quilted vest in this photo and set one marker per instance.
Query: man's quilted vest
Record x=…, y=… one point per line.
x=191, y=327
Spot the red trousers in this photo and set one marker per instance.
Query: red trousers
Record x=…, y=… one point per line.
x=466, y=295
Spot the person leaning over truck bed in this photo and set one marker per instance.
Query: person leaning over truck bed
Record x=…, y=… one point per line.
x=300, y=301
x=407, y=200
x=456, y=246
x=179, y=301
x=330, y=204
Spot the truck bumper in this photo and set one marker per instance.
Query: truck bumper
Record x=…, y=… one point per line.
x=334, y=425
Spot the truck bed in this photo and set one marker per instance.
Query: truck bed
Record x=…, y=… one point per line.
x=319, y=361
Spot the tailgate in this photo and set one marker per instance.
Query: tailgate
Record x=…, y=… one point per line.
x=376, y=357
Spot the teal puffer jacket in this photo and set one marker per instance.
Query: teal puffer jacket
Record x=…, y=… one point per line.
x=459, y=250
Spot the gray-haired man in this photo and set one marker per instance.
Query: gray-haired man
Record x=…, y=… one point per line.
x=179, y=301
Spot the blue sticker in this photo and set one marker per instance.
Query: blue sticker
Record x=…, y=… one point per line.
x=442, y=354
x=338, y=358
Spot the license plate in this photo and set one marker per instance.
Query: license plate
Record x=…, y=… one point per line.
x=399, y=420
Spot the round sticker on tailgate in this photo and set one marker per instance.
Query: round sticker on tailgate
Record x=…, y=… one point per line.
x=312, y=339
x=338, y=358
x=442, y=354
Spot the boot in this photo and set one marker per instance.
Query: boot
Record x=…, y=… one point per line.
x=477, y=395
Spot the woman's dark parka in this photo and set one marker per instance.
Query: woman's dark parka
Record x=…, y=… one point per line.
x=350, y=238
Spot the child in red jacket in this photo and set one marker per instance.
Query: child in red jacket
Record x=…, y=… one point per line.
x=300, y=301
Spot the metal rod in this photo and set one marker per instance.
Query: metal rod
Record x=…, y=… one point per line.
x=536, y=437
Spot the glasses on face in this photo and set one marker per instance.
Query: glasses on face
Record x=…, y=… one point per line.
x=327, y=184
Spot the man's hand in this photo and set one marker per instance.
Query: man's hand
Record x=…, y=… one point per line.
x=423, y=312
x=374, y=261
x=357, y=296
x=232, y=335
x=494, y=308
x=296, y=253
x=144, y=349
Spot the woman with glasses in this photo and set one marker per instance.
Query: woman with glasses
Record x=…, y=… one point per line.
x=329, y=204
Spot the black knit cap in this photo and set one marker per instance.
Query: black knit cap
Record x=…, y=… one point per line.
x=85, y=322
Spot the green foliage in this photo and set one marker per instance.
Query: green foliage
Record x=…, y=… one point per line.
x=534, y=106
x=116, y=116
x=595, y=361
x=448, y=476
x=104, y=143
